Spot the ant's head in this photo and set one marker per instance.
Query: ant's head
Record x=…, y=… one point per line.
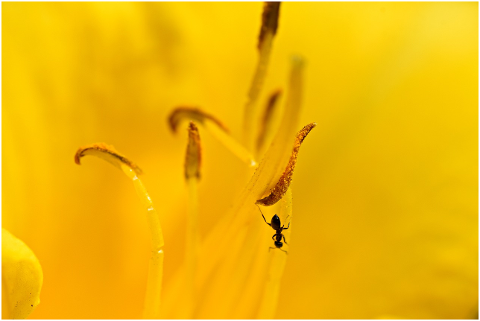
x=278, y=244
x=276, y=222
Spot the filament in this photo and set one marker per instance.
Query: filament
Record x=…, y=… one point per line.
x=255, y=89
x=155, y=269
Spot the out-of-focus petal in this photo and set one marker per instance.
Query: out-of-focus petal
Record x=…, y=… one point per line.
x=22, y=278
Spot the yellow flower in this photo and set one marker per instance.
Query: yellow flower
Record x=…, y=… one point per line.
x=233, y=252
x=385, y=194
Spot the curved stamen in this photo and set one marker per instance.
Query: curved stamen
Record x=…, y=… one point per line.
x=155, y=272
x=284, y=182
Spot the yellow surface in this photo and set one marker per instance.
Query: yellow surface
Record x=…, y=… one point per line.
x=385, y=189
x=22, y=278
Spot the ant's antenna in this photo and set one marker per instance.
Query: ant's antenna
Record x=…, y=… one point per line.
x=263, y=215
x=259, y=209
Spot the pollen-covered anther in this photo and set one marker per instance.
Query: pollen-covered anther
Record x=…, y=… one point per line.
x=193, y=157
x=192, y=113
x=284, y=182
x=108, y=153
x=271, y=11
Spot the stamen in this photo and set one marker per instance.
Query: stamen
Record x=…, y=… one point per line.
x=192, y=175
x=277, y=263
x=284, y=182
x=266, y=131
x=267, y=33
x=108, y=153
x=215, y=127
x=270, y=15
x=269, y=169
x=155, y=271
x=153, y=294
x=237, y=149
x=192, y=113
x=239, y=226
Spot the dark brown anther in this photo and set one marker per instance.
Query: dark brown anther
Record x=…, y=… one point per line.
x=108, y=153
x=191, y=113
x=271, y=11
x=193, y=158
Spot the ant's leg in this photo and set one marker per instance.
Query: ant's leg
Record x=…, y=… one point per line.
x=263, y=216
x=284, y=239
x=286, y=228
x=274, y=236
x=278, y=249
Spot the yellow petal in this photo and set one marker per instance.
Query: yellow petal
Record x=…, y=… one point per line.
x=22, y=278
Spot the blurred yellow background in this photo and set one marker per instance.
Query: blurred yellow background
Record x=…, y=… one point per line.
x=385, y=191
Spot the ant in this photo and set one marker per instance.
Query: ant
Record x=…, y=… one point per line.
x=276, y=225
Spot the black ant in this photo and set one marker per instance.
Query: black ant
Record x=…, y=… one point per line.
x=278, y=227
